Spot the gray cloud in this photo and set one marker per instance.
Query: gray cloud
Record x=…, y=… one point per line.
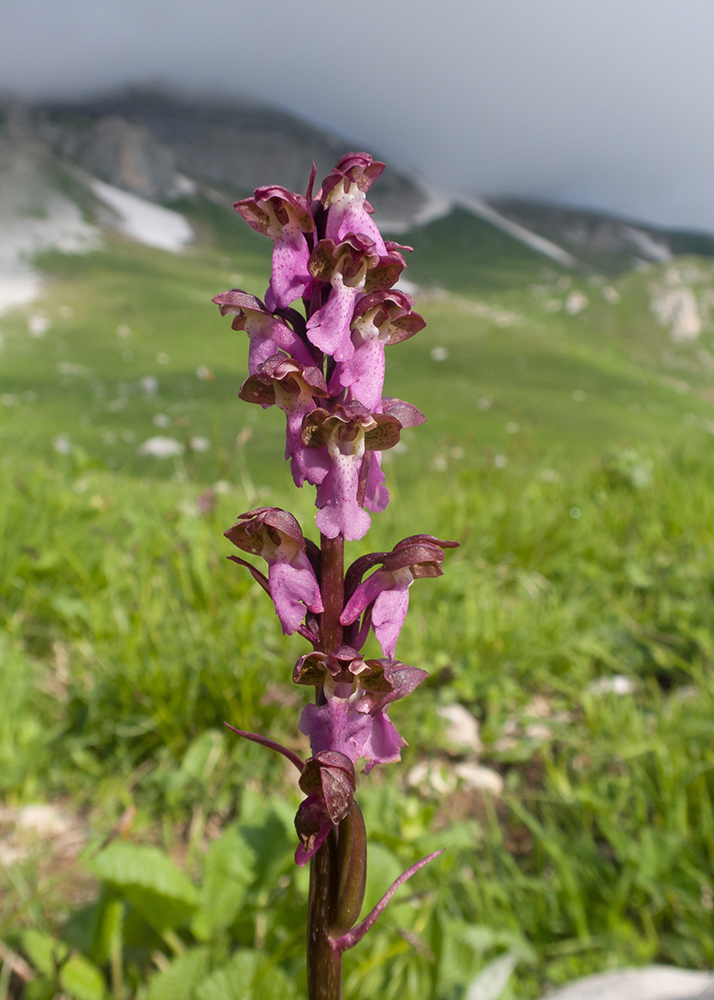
x=606, y=104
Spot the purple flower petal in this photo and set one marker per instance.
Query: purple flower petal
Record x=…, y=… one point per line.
x=329, y=327
x=363, y=374
x=376, y=494
x=293, y=587
x=290, y=278
x=340, y=512
x=276, y=536
x=388, y=614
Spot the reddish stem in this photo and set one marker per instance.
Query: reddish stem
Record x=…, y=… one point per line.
x=332, y=587
x=324, y=961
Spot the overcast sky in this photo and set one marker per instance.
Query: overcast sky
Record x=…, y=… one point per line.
x=606, y=103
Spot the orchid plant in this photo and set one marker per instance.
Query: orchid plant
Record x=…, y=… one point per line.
x=324, y=367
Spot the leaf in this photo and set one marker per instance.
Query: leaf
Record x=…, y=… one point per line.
x=273, y=984
x=228, y=870
x=247, y=977
x=180, y=979
x=491, y=981
x=233, y=981
x=43, y=951
x=39, y=989
x=150, y=881
x=82, y=979
x=203, y=754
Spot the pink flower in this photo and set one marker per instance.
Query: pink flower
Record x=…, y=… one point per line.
x=284, y=217
x=386, y=592
x=352, y=267
x=275, y=535
x=348, y=434
x=292, y=387
x=267, y=333
x=344, y=194
x=353, y=718
x=379, y=319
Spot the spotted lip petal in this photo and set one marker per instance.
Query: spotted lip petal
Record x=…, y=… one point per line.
x=293, y=388
x=348, y=433
x=353, y=267
x=285, y=217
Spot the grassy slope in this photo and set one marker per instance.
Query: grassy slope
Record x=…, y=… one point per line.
x=601, y=851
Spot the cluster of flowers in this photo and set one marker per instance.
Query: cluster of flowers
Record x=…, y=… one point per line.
x=325, y=370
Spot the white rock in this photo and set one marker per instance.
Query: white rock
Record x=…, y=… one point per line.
x=654, y=982
x=160, y=447
x=462, y=728
x=618, y=684
x=45, y=820
x=482, y=778
x=575, y=303
x=678, y=307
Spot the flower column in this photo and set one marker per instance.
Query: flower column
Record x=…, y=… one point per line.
x=324, y=367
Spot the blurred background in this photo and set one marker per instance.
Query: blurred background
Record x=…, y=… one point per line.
x=551, y=166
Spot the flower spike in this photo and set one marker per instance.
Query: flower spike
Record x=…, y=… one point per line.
x=324, y=368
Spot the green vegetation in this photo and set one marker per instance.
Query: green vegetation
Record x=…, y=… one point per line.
x=572, y=455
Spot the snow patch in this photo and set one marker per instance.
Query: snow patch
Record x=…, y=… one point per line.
x=142, y=220
x=647, y=245
x=531, y=239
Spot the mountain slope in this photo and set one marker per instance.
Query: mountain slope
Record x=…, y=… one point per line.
x=600, y=242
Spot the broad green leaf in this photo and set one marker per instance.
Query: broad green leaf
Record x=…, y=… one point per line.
x=203, y=754
x=491, y=981
x=82, y=979
x=180, y=979
x=273, y=984
x=150, y=881
x=39, y=989
x=234, y=981
x=228, y=870
x=273, y=849
x=44, y=951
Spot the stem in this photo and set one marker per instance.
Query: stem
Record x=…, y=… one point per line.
x=332, y=587
x=324, y=962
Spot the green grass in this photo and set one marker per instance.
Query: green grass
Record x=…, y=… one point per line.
x=587, y=551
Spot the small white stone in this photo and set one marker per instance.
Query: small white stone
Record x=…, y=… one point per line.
x=38, y=324
x=617, y=684
x=62, y=444
x=482, y=778
x=575, y=303
x=462, y=728
x=418, y=774
x=44, y=820
x=654, y=982
x=160, y=447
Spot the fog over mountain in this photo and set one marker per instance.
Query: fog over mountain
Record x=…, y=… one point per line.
x=604, y=105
